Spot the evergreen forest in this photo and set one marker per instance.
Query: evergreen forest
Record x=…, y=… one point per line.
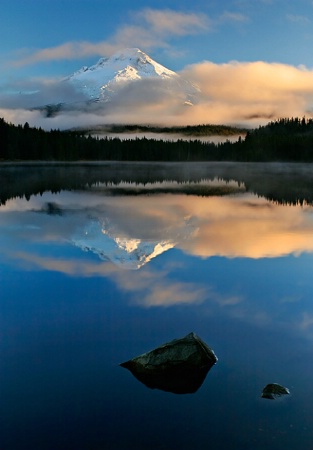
x=282, y=140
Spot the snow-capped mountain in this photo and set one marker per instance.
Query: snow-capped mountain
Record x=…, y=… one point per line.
x=103, y=78
x=126, y=69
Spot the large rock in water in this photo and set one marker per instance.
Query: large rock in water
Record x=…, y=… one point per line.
x=179, y=366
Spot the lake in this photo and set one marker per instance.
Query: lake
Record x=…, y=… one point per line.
x=100, y=263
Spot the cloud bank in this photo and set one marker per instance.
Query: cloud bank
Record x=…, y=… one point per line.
x=251, y=92
x=248, y=94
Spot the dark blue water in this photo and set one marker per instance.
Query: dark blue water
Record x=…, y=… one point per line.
x=237, y=270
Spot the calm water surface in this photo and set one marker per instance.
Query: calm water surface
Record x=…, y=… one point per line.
x=96, y=275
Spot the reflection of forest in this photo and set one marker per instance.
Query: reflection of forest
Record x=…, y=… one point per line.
x=279, y=182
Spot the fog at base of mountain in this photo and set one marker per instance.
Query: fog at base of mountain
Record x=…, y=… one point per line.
x=204, y=133
x=173, y=137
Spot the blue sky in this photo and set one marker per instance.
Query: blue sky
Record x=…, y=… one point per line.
x=218, y=31
x=45, y=39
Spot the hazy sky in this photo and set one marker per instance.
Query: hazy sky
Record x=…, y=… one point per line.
x=252, y=59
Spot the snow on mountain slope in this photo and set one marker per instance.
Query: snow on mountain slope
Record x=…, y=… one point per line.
x=104, y=80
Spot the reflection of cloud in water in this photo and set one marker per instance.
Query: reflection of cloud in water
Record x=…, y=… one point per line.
x=306, y=321
x=147, y=288
x=231, y=226
x=247, y=226
x=240, y=225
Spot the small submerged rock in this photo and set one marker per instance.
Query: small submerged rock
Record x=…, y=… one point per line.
x=179, y=366
x=274, y=390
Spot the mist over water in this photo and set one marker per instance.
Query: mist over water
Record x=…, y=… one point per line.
x=281, y=182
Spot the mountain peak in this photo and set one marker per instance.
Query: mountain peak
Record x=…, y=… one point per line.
x=102, y=80
x=138, y=59
x=130, y=55
x=127, y=53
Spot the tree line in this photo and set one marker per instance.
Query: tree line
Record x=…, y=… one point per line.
x=282, y=140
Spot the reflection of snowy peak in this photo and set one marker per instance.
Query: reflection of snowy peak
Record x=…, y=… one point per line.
x=124, y=252
x=106, y=78
x=144, y=251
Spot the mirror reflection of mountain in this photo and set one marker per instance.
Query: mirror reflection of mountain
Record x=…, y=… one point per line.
x=123, y=251
x=284, y=183
x=130, y=230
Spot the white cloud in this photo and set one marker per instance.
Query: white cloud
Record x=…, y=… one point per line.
x=168, y=22
x=151, y=28
x=229, y=16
